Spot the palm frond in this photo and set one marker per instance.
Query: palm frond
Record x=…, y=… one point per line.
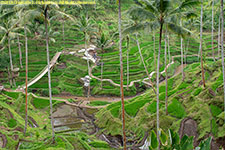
x=142, y=14
x=179, y=30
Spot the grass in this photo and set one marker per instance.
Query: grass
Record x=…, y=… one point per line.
x=215, y=110
x=41, y=103
x=98, y=103
x=132, y=108
x=176, y=109
x=12, y=123
x=14, y=95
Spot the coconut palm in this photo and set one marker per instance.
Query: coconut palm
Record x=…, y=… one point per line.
x=9, y=29
x=201, y=42
x=213, y=30
x=102, y=42
x=85, y=25
x=121, y=74
x=162, y=12
x=222, y=50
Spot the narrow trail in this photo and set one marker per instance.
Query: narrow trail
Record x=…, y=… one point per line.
x=143, y=80
x=43, y=72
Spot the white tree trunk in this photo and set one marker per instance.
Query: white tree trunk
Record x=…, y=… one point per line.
x=182, y=55
x=219, y=36
x=10, y=54
x=88, y=63
x=168, y=42
x=26, y=96
x=128, y=50
x=49, y=75
x=222, y=51
x=213, y=30
x=201, y=41
x=20, y=54
x=165, y=54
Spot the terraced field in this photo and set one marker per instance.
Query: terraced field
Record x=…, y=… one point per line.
x=71, y=68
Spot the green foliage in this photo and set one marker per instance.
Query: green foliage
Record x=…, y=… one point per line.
x=12, y=123
x=99, y=144
x=215, y=110
x=183, y=85
x=152, y=107
x=197, y=91
x=132, y=108
x=98, y=103
x=14, y=95
x=176, y=109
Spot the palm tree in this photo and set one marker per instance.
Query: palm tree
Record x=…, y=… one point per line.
x=121, y=75
x=213, y=30
x=86, y=26
x=222, y=51
x=49, y=74
x=102, y=42
x=9, y=29
x=201, y=41
x=162, y=12
x=134, y=28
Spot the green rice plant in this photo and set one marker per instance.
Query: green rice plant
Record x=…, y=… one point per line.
x=176, y=109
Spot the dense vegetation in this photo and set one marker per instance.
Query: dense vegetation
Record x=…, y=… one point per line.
x=172, y=75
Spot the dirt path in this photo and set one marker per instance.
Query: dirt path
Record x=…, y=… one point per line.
x=43, y=72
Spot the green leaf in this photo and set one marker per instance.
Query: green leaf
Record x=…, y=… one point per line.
x=163, y=138
x=205, y=145
x=154, y=141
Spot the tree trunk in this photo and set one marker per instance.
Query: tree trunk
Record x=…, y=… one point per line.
x=186, y=52
x=182, y=55
x=166, y=97
x=11, y=64
x=201, y=48
x=10, y=54
x=9, y=78
x=142, y=59
x=63, y=32
x=88, y=63
x=219, y=37
x=26, y=108
x=20, y=54
x=49, y=75
x=157, y=81
x=121, y=76
x=168, y=41
x=222, y=51
x=154, y=51
x=128, y=50
x=101, y=67
x=213, y=30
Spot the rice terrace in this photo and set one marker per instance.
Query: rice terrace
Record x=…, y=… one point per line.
x=112, y=75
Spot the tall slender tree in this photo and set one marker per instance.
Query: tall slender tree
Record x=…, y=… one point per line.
x=49, y=74
x=222, y=51
x=26, y=97
x=201, y=44
x=20, y=53
x=213, y=30
x=121, y=74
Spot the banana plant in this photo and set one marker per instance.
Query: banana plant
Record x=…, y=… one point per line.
x=172, y=141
